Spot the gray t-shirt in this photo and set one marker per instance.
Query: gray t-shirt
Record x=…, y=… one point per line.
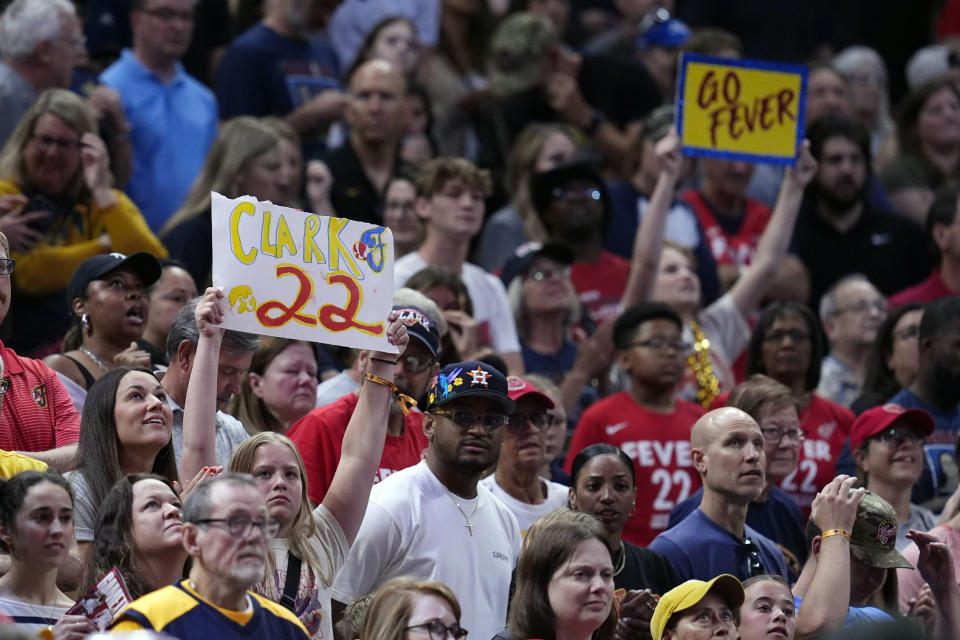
x=229, y=434
x=84, y=511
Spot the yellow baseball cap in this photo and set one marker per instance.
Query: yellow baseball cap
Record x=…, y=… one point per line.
x=690, y=593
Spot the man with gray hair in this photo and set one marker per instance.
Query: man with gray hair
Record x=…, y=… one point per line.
x=319, y=434
x=227, y=531
x=852, y=311
x=40, y=42
x=233, y=361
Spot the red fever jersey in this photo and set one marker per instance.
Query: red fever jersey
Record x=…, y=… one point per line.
x=828, y=427
x=319, y=438
x=659, y=445
x=600, y=284
x=737, y=249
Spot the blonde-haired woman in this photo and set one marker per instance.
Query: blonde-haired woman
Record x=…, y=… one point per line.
x=245, y=159
x=57, y=191
x=409, y=609
x=541, y=146
x=311, y=544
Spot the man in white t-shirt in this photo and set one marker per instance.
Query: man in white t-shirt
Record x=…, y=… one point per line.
x=517, y=480
x=432, y=521
x=450, y=193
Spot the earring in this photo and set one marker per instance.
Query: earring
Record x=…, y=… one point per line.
x=85, y=322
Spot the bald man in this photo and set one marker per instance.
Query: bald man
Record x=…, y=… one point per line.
x=377, y=114
x=726, y=447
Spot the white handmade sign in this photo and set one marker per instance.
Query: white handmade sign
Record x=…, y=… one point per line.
x=294, y=274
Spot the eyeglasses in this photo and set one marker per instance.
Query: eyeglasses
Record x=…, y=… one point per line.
x=590, y=193
x=776, y=435
x=6, y=266
x=543, y=274
x=414, y=364
x=59, y=144
x=863, y=306
x=518, y=421
x=466, y=419
x=239, y=526
x=556, y=420
x=754, y=564
x=662, y=345
x=439, y=631
x=795, y=335
x=164, y=14
x=896, y=437
x=397, y=204
x=908, y=332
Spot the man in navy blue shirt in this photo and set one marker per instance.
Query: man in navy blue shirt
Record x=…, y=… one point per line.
x=727, y=449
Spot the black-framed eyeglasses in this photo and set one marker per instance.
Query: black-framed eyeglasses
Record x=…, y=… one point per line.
x=518, y=421
x=895, y=437
x=795, y=335
x=773, y=434
x=466, y=419
x=239, y=526
x=165, y=14
x=414, y=363
x=662, y=345
x=754, y=564
x=557, y=420
x=6, y=266
x=439, y=631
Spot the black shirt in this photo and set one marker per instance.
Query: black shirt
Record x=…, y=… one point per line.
x=352, y=195
x=889, y=250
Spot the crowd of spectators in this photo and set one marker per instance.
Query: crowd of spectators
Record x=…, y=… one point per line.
x=639, y=394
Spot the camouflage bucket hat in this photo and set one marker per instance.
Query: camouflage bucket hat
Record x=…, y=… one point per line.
x=516, y=53
x=873, y=540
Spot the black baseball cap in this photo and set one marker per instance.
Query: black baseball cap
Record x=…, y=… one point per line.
x=526, y=253
x=143, y=264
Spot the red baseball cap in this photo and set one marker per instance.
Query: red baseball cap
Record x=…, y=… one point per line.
x=873, y=421
x=519, y=388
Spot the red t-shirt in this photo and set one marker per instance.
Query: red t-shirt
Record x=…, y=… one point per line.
x=828, y=427
x=659, y=445
x=600, y=284
x=933, y=288
x=38, y=412
x=319, y=438
x=736, y=249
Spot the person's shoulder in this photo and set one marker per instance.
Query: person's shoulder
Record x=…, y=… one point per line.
x=841, y=413
x=120, y=72
x=687, y=409
x=278, y=611
x=159, y=608
x=254, y=38
x=12, y=463
x=619, y=401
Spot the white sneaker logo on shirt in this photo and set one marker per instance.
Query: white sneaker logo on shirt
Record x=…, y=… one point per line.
x=613, y=428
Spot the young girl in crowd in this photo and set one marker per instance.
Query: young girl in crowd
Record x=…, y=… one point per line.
x=36, y=527
x=138, y=532
x=768, y=611
x=311, y=545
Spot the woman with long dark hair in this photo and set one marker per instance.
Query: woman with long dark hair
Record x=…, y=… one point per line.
x=125, y=428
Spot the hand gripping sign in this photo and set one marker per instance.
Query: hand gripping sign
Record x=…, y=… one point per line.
x=294, y=274
x=741, y=109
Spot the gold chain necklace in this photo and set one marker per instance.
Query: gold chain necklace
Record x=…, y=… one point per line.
x=469, y=524
x=699, y=361
x=622, y=561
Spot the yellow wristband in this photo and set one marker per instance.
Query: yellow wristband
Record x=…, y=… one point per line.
x=835, y=532
x=404, y=400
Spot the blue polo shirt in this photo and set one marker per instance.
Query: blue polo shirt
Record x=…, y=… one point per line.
x=172, y=124
x=700, y=549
